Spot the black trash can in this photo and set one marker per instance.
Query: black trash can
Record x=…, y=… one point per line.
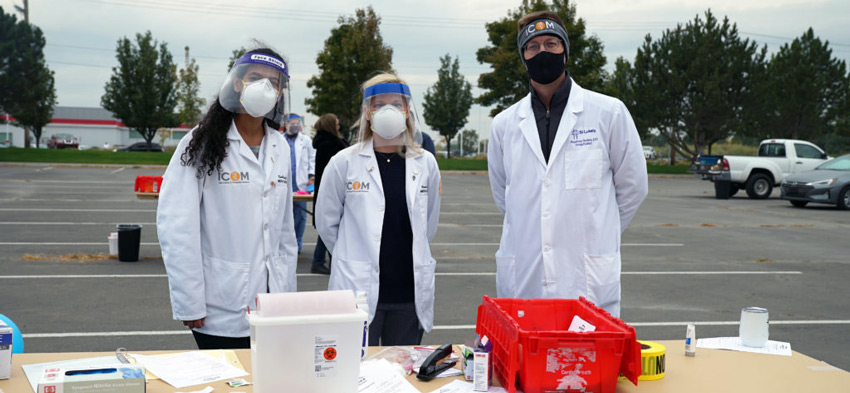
x=129, y=240
x=722, y=189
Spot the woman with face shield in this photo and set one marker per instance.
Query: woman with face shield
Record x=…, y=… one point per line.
x=224, y=219
x=377, y=213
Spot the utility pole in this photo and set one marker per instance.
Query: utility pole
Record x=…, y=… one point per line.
x=26, y=11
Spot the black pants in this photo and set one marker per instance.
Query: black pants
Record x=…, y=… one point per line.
x=208, y=341
x=395, y=324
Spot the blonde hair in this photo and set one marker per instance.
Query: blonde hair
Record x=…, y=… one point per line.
x=365, y=125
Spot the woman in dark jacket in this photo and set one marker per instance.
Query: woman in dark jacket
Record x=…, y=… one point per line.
x=327, y=142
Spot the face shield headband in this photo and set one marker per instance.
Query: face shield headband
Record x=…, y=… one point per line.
x=262, y=59
x=542, y=27
x=386, y=88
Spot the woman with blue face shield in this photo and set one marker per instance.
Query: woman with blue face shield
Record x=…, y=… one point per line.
x=224, y=219
x=377, y=213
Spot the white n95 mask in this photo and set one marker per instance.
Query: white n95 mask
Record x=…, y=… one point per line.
x=388, y=122
x=258, y=97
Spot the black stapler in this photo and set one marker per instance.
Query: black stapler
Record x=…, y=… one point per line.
x=435, y=363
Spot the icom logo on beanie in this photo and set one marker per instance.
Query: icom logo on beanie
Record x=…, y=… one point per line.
x=540, y=25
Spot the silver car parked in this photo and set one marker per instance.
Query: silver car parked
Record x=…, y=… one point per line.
x=828, y=183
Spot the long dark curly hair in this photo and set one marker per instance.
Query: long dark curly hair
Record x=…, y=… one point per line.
x=208, y=146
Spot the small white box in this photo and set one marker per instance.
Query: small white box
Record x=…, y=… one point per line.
x=118, y=378
x=481, y=371
x=5, y=351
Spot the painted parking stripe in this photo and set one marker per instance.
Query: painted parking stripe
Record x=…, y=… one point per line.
x=67, y=200
x=79, y=210
x=458, y=274
x=66, y=223
x=699, y=323
x=437, y=327
x=311, y=244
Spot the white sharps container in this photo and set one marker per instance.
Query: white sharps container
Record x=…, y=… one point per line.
x=306, y=342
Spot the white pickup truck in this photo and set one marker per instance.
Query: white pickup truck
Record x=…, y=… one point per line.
x=777, y=158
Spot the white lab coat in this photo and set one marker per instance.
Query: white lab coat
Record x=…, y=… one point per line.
x=305, y=156
x=227, y=237
x=563, y=219
x=350, y=216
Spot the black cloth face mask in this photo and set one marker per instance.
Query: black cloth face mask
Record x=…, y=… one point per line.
x=545, y=67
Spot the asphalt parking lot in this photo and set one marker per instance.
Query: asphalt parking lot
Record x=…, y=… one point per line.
x=687, y=257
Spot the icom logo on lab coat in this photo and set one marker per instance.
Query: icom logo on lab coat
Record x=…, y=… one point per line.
x=233, y=177
x=356, y=186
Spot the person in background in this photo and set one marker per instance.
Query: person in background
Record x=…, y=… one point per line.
x=428, y=144
x=303, y=158
x=327, y=142
x=566, y=167
x=378, y=212
x=224, y=219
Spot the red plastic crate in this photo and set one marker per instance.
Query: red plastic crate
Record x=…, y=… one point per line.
x=148, y=184
x=533, y=350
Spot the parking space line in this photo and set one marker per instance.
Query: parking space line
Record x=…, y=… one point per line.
x=67, y=223
x=66, y=200
x=78, y=182
x=108, y=334
x=79, y=210
x=437, y=327
x=117, y=170
x=445, y=274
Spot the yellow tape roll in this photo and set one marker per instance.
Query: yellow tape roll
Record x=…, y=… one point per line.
x=652, y=360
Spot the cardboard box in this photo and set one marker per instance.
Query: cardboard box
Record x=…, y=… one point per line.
x=481, y=371
x=5, y=351
x=117, y=378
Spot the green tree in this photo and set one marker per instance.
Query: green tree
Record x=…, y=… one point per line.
x=188, y=86
x=807, y=90
x=696, y=83
x=141, y=92
x=447, y=102
x=31, y=94
x=235, y=55
x=468, y=142
x=508, y=82
x=352, y=54
x=8, y=30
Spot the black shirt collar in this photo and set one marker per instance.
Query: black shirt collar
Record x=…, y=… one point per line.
x=559, y=99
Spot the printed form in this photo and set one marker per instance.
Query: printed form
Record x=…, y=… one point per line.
x=188, y=368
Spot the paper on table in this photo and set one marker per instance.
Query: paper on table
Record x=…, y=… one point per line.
x=458, y=386
x=734, y=343
x=379, y=376
x=207, y=389
x=188, y=368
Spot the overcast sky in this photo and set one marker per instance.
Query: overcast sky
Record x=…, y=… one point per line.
x=81, y=34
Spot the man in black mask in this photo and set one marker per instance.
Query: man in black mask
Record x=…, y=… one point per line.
x=566, y=167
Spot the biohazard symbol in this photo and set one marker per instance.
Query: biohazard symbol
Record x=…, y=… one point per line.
x=330, y=353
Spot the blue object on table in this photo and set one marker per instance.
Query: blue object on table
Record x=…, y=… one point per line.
x=310, y=188
x=17, y=339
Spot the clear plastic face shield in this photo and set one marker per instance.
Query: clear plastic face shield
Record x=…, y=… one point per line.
x=389, y=117
x=294, y=125
x=257, y=84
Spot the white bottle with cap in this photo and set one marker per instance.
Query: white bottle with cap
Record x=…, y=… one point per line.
x=363, y=303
